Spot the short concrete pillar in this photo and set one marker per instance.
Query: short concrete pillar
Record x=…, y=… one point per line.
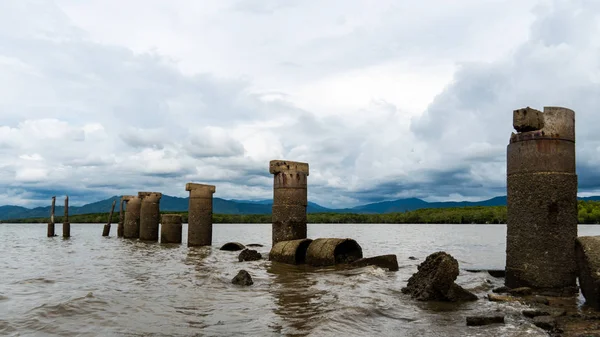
x=131, y=228
x=170, y=228
x=121, y=225
x=149, y=215
x=289, y=200
x=200, y=214
x=66, y=223
x=542, y=200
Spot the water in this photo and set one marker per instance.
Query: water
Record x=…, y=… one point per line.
x=91, y=285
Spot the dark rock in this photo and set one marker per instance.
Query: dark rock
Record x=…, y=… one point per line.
x=249, y=255
x=242, y=278
x=501, y=290
x=522, y=291
x=254, y=245
x=587, y=254
x=434, y=280
x=484, y=320
x=544, y=322
x=412, y=258
x=459, y=294
x=498, y=273
x=389, y=262
x=232, y=246
x=534, y=313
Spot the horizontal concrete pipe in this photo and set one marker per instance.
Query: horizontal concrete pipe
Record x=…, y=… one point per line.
x=290, y=252
x=318, y=253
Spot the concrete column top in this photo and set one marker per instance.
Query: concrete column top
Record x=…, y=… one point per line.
x=143, y=195
x=170, y=218
x=553, y=123
x=127, y=197
x=279, y=166
x=200, y=188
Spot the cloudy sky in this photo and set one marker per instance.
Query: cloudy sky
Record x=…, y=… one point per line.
x=384, y=99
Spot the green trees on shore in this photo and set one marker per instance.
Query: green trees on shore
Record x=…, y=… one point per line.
x=589, y=213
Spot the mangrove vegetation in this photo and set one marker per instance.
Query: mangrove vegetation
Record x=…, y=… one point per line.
x=589, y=213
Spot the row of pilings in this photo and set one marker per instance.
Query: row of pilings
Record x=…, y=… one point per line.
x=140, y=218
x=66, y=225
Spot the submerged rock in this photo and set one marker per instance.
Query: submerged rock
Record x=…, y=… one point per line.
x=232, y=246
x=484, y=320
x=532, y=313
x=242, y=278
x=249, y=255
x=497, y=273
x=544, y=322
x=412, y=258
x=389, y=262
x=434, y=280
x=501, y=290
x=254, y=245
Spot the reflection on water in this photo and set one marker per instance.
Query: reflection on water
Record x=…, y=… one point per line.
x=90, y=285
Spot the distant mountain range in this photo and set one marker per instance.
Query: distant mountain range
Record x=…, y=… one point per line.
x=222, y=206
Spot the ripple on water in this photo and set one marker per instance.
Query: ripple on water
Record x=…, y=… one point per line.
x=146, y=289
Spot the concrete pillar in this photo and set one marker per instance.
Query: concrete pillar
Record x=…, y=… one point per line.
x=289, y=200
x=131, y=227
x=200, y=214
x=149, y=215
x=66, y=223
x=542, y=200
x=50, y=232
x=170, y=228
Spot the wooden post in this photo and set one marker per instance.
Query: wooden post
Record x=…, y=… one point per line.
x=51, y=223
x=106, y=230
x=66, y=223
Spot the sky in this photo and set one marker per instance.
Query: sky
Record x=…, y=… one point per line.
x=384, y=99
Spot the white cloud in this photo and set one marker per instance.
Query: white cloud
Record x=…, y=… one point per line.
x=387, y=100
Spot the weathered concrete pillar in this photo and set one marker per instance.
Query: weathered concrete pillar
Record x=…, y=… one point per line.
x=149, y=215
x=106, y=230
x=289, y=200
x=170, y=228
x=131, y=228
x=121, y=225
x=587, y=252
x=66, y=223
x=51, y=223
x=200, y=214
x=542, y=200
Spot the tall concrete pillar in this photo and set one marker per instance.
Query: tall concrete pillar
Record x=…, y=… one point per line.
x=289, y=200
x=149, y=215
x=51, y=223
x=131, y=227
x=200, y=214
x=170, y=228
x=542, y=200
x=66, y=223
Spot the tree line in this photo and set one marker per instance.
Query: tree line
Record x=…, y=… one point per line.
x=589, y=213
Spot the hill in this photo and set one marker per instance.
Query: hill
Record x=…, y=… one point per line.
x=247, y=207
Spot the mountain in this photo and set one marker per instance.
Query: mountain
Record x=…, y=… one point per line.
x=223, y=206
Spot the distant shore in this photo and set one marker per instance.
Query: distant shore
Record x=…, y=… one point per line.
x=589, y=213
